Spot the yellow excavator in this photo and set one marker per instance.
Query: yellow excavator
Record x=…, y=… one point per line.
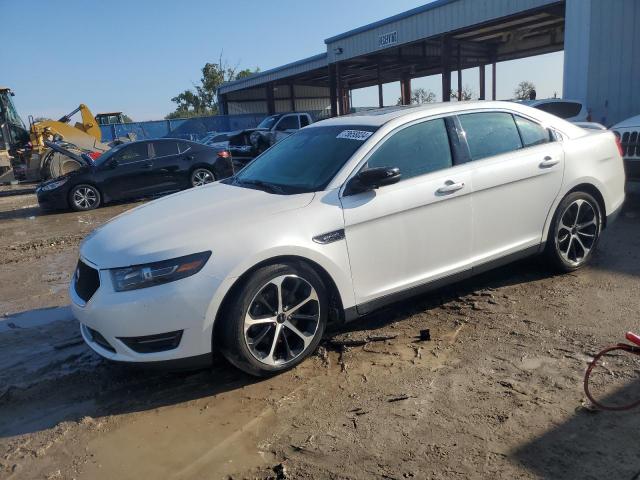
x=25, y=151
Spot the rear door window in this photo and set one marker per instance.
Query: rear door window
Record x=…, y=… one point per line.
x=490, y=133
x=415, y=150
x=184, y=146
x=165, y=148
x=531, y=133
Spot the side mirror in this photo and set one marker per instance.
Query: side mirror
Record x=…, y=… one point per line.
x=113, y=163
x=372, y=178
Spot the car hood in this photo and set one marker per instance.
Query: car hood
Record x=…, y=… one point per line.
x=192, y=221
x=628, y=123
x=81, y=170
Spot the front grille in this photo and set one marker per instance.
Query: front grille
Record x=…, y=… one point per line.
x=100, y=340
x=153, y=343
x=86, y=281
x=630, y=142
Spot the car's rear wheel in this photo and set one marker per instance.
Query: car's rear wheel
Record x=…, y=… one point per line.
x=202, y=176
x=574, y=232
x=84, y=197
x=275, y=320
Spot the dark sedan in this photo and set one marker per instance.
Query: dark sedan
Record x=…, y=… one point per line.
x=133, y=170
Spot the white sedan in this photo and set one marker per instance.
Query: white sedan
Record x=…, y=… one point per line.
x=341, y=218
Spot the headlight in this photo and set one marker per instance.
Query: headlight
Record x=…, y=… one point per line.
x=53, y=185
x=150, y=274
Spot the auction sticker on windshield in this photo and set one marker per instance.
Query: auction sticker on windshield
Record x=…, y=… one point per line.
x=360, y=135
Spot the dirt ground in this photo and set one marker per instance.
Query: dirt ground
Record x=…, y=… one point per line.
x=496, y=393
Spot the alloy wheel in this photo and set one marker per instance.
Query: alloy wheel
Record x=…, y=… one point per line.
x=85, y=198
x=578, y=231
x=282, y=320
x=201, y=177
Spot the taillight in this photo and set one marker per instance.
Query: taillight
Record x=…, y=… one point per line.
x=224, y=154
x=619, y=144
x=94, y=155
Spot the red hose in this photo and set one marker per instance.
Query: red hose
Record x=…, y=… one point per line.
x=620, y=346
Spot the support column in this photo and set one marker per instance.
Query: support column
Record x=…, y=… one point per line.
x=405, y=89
x=271, y=104
x=346, y=100
x=292, y=94
x=380, y=97
x=340, y=91
x=493, y=81
x=445, y=53
x=459, y=73
x=333, y=90
x=482, y=82
x=223, y=105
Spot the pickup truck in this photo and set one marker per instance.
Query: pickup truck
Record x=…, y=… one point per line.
x=251, y=142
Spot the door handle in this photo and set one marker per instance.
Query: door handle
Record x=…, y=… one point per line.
x=548, y=162
x=450, y=187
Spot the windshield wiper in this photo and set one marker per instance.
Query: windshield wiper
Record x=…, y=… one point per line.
x=266, y=186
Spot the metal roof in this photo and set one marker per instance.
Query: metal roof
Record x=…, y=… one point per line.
x=384, y=21
x=284, y=71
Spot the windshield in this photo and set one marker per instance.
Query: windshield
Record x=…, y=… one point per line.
x=108, y=154
x=305, y=161
x=269, y=122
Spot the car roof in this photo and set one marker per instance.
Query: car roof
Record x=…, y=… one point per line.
x=397, y=115
x=540, y=101
x=379, y=116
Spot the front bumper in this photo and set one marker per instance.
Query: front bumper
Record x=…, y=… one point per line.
x=632, y=168
x=117, y=317
x=53, y=199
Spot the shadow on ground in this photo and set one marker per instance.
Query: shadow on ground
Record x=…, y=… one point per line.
x=589, y=440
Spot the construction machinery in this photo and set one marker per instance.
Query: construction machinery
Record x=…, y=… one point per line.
x=13, y=133
x=25, y=151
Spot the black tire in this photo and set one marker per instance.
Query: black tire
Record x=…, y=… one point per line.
x=201, y=176
x=91, y=194
x=574, y=232
x=299, y=280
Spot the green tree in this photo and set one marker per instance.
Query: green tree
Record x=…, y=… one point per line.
x=523, y=90
x=467, y=94
x=202, y=100
x=420, y=96
x=127, y=118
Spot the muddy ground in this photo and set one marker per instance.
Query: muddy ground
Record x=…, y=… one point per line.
x=496, y=392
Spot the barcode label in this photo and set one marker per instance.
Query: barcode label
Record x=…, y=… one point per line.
x=360, y=135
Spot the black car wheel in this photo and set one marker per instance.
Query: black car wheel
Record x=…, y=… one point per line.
x=202, y=176
x=574, y=232
x=84, y=197
x=275, y=320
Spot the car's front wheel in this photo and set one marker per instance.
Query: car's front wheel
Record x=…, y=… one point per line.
x=574, y=232
x=84, y=197
x=275, y=320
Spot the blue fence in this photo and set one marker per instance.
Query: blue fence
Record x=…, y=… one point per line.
x=187, y=128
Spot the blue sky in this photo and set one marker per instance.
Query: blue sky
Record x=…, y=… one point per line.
x=135, y=55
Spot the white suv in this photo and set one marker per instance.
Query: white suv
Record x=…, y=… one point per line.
x=628, y=132
x=338, y=219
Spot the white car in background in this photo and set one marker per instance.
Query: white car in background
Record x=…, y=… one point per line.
x=628, y=132
x=570, y=110
x=343, y=217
